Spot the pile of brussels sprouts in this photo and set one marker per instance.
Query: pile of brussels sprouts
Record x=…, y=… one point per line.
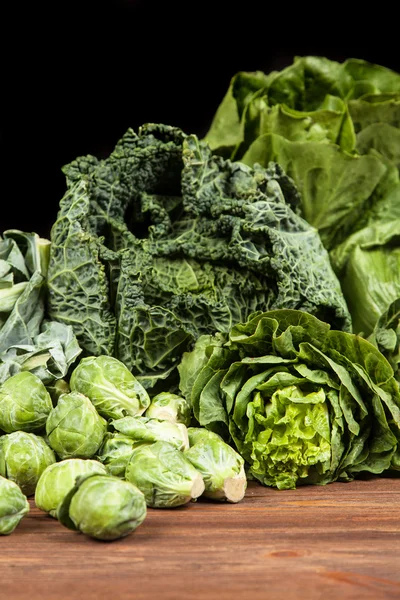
x=97, y=451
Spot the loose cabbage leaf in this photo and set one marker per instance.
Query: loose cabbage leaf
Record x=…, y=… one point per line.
x=27, y=342
x=49, y=356
x=23, y=266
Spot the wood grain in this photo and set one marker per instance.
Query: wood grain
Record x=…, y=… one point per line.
x=339, y=541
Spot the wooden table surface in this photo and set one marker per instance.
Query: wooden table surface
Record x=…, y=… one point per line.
x=339, y=541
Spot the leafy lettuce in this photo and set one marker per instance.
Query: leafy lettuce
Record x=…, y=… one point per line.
x=301, y=403
x=163, y=242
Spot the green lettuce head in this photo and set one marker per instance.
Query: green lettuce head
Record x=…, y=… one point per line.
x=103, y=507
x=110, y=386
x=145, y=430
x=74, y=427
x=13, y=506
x=301, y=403
x=115, y=453
x=23, y=458
x=165, y=476
x=25, y=403
x=170, y=407
x=59, y=478
x=221, y=467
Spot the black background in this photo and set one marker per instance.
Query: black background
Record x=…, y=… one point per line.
x=76, y=76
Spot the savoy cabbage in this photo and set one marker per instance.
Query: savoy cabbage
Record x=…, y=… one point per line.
x=163, y=242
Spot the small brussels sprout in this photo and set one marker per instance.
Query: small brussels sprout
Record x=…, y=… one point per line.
x=23, y=458
x=170, y=407
x=112, y=388
x=143, y=429
x=221, y=467
x=165, y=476
x=103, y=507
x=59, y=478
x=201, y=434
x=13, y=506
x=74, y=428
x=24, y=403
x=115, y=453
x=57, y=389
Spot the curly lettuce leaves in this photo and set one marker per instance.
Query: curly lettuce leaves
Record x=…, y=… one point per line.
x=163, y=242
x=301, y=403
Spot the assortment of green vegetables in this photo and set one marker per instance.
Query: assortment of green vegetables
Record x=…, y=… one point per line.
x=189, y=324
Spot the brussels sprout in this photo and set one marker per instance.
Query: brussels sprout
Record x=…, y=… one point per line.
x=200, y=434
x=221, y=467
x=57, y=389
x=170, y=407
x=112, y=388
x=23, y=458
x=13, y=506
x=165, y=476
x=103, y=507
x=59, y=478
x=24, y=403
x=142, y=429
x=74, y=428
x=115, y=453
